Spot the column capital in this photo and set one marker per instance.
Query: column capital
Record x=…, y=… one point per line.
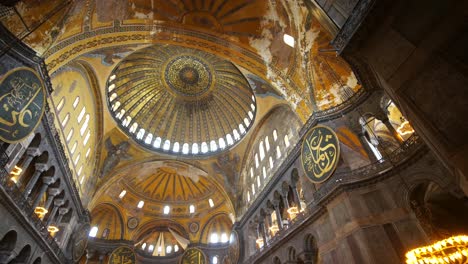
x=33, y=152
x=54, y=191
x=48, y=180
x=41, y=167
x=59, y=202
x=63, y=210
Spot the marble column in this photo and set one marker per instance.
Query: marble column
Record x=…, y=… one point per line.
x=296, y=197
x=62, y=212
x=40, y=168
x=57, y=204
x=52, y=193
x=279, y=219
x=367, y=148
x=46, y=181
x=31, y=153
x=263, y=230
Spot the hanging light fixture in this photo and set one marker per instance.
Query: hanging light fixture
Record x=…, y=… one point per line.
x=52, y=230
x=451, y=250
x=293, y=211
x=40, y=212
x=259, y=242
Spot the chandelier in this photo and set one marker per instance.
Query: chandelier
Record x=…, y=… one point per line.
x=451, y=250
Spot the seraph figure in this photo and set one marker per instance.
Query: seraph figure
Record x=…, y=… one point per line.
x=115, y=153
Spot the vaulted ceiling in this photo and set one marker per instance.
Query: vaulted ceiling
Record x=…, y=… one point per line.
x=145, y=48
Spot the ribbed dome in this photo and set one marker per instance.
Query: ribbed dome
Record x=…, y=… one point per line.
x=180, y=100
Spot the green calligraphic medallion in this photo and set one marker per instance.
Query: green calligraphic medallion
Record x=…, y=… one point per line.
x=193, y=256
x=320, y=153
x=22, y=101
x=122, y=255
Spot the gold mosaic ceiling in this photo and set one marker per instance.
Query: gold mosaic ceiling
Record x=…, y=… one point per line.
x=179, y=100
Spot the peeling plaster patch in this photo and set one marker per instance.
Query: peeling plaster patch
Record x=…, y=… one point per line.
x=263, y=47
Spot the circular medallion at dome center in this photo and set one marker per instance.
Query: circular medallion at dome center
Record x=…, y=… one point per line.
x=188, y=75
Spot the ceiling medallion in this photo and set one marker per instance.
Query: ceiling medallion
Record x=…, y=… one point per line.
x=183, y=101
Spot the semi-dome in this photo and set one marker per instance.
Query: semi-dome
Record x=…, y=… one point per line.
x=174, y=99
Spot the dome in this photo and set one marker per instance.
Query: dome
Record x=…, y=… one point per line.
x=179, y=100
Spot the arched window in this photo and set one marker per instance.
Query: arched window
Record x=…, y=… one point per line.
x=236, y=134
x=264, y=172
x=278, y=152
x=246, y=122
x=120, y=114
x=85, y=141
x=253, y=189
x=88, y=152
x=222, y=143
x=72, y=150
x=204, y=147
x=194, y=148
x=214, y=238
x=215, y=260
x=241, y=129
x=167, y=145
x=93, y=231
x=133, y=128
x=81, y=115
x=157, y=142
x=127, y=121
x=77, y=159
x=229, y=139
x=79, y=170
x=275, y=135
x=85, y=125
x=149, y=138
x=256, y=160
x=70, y=135
x=251, y=172
x=115, y=106
x=258, y=182
x=251, y=116
x=175, y=148
x=65, y=119
x=271, y=162
x=248, y=196
x=75, y=103
x=286, y=140
x=61, y=104
x=267, y=143
x=185, y=148
x=112, y=86
x=261, y=150
x=213, y=146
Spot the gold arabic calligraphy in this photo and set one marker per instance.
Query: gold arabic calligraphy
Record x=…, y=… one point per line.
x=21, y=104
x=320, y=153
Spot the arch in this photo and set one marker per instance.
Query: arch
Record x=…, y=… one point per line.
x=310, y=248
x=218, y=224
x=276, y=260
x=23, y=256
x=148, y=227
x=8, y=242
x=38, y=260
x=107, y=215
x=440, y=213
x=291, y=254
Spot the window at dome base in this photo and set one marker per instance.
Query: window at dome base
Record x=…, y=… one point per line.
x=156, y=110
